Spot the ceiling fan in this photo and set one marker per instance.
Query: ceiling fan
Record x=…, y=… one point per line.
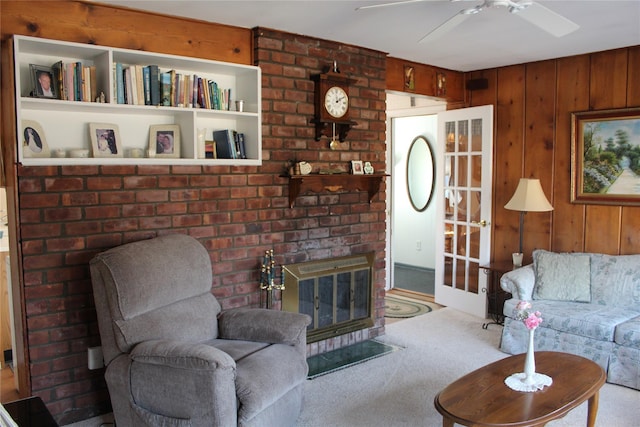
x=534, y=12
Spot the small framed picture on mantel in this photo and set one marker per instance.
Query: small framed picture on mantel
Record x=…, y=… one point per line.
x=356, y=167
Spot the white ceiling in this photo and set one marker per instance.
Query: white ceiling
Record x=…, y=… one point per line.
x=488, y=39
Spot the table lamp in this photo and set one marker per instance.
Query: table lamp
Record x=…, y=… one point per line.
x=528, y=197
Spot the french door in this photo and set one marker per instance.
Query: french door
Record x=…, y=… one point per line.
x=463, y=191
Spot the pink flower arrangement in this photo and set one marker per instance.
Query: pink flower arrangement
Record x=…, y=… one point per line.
x=531, y=319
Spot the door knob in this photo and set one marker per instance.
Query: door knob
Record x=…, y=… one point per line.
x=481, y=223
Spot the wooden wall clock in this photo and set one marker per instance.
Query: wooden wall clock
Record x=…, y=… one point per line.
x=332, y=105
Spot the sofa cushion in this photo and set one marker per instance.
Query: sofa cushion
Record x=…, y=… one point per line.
x=628, y=333
x=588, y=320
x=171, y=323
x=615, y=280
x=237, y=349
x=562, y=276
x=265, y=376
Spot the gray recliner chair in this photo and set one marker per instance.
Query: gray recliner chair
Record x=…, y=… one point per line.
x=174, y=359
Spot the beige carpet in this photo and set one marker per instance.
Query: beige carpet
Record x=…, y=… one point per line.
x=398, y=389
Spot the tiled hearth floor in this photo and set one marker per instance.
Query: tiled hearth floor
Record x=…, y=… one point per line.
x=347, y=356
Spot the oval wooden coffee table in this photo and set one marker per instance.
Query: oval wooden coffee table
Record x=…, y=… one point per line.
x=482, y=399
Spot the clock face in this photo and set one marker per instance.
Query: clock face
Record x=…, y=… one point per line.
x=336, y=102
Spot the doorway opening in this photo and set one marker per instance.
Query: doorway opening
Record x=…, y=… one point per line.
x=411, y=242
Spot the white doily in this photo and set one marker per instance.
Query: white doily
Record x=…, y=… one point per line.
x=517, y=382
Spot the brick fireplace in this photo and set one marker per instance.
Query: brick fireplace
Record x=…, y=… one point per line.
x=326, y=225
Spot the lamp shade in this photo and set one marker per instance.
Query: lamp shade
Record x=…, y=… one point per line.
x=529, y=197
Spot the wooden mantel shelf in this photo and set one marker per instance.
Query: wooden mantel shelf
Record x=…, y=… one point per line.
x=333, y=182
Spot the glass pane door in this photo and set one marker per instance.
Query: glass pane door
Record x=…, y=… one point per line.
x=464, y=187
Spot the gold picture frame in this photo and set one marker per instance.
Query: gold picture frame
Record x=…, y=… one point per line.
x=605, y=157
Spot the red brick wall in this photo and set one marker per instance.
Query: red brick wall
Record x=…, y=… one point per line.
x=68, y=214
x=327, y=224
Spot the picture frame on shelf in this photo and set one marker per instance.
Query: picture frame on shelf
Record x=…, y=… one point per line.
x=605, y=157
x=164, y=141
x=356, y=167
x=43, y=81
x=210, y=149
x=105, y=140
x=34, y=140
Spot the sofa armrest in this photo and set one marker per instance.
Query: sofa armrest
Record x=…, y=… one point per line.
x=182, y=355
x=519, y=282
x=263, y=325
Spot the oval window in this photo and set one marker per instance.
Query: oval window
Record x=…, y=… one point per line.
x=420, y=173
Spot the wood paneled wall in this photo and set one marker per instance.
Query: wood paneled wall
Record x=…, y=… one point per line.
x=533, y=105
x=91, y=23
x=426, y=81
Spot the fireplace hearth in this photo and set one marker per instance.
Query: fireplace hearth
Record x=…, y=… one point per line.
x=337, y=293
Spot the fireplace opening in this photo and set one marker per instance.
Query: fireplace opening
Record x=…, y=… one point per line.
x=337, y=293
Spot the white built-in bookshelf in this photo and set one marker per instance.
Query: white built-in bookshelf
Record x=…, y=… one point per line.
x=71, y=129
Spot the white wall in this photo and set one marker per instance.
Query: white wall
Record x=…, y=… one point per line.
x=413, y=232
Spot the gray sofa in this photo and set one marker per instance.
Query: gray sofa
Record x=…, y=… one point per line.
x=174, y=359
x=590, y=305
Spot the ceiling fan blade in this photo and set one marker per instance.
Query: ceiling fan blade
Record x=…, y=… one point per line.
x=548, y=20
x=445, y=27
x=396, y=3
x=399, y=3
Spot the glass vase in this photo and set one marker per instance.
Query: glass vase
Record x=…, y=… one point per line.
x=530, y=361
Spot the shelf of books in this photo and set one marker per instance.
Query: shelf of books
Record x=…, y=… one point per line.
x=88, y=104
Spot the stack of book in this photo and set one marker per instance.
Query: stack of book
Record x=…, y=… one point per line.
x=75, y=82
x=229, y=144
x=148, y=85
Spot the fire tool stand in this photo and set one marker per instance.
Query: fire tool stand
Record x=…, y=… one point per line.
x=268, y=283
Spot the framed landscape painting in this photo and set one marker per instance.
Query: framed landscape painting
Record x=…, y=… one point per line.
x=605, y=157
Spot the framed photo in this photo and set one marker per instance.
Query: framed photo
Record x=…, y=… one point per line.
x=105, y=140
x=43, y=81
x=164, y=141
x=356, y=167
x=605, y=157
x=34, y=141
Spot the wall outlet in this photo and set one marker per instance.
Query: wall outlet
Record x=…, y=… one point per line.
x=94, y=357
x=418, y=245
